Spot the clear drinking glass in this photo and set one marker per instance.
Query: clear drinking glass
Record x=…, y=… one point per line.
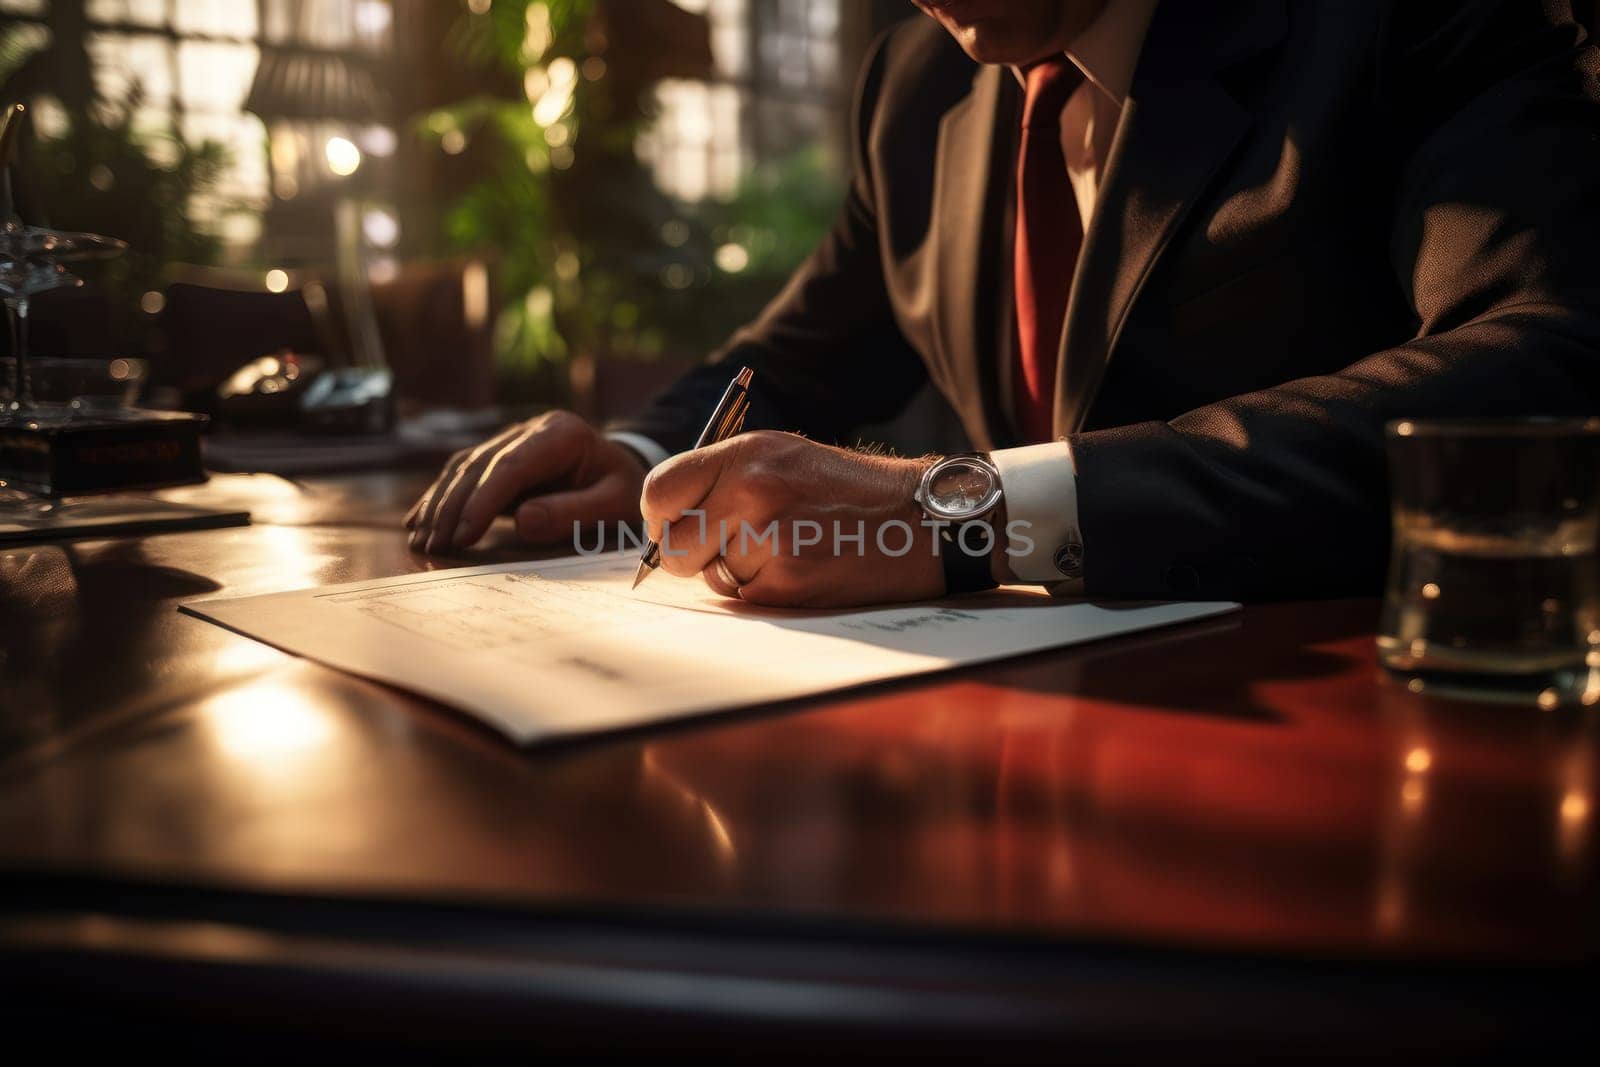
x=1493, y=585
x=31, y=262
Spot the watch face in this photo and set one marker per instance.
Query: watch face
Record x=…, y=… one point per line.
x=961, y=489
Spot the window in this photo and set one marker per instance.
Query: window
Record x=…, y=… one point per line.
x=777, y=84
x=241, y=72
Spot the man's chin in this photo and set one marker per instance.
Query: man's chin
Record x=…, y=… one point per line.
x=992, y=45
x=997, y=48
x=997, y=39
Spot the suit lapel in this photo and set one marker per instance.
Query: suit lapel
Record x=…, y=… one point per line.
x=1178, y=127
x=972, y=178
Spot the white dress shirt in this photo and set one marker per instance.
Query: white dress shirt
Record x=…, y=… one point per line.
x=1040, y=481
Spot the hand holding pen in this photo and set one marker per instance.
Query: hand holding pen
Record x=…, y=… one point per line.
x=727, y=419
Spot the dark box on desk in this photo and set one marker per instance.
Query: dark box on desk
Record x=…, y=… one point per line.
x=92, y=453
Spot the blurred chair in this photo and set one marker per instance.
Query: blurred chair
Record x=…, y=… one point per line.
x=210, y=333
x=436, y=324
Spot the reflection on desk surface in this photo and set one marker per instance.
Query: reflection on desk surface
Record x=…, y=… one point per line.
x=1248, y=781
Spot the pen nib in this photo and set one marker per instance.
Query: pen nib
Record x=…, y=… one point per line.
x=640, y=574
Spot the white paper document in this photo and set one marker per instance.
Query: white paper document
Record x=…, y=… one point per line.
x=562, y=647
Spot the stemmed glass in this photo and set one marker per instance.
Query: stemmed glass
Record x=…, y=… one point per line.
x=32, y=261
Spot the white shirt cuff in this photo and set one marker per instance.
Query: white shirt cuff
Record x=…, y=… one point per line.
x=1041, y=499
x=649, y=451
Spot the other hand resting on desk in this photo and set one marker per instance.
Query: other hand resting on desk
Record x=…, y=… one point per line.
x=567, y=471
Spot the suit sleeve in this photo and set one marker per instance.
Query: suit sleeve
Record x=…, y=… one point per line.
x=1282, y=493
x=827, y=352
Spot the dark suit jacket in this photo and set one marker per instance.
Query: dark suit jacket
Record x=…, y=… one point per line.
x=1317, y=216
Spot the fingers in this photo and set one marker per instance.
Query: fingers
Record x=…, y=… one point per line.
x=777, y=587
x=689, y=542
x=752, y=517
x=438, y=526
x=421, y=512
x=683, y=483
x=478, y=484
x=540, y=455
x=425, y=502
x=556, y=518
x=427, y=506
x=721, y=576
x=689, y=545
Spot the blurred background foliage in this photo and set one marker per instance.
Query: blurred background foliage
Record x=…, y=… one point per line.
x=87, y=167
x=540, y=196
x=592, y=258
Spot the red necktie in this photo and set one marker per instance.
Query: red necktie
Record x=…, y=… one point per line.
x=1048, y=237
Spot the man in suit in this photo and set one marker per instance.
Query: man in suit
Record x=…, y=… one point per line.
x=1175, y=266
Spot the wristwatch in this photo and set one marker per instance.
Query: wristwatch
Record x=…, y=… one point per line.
x=960, y=494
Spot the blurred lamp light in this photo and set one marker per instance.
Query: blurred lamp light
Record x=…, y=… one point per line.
x=373, y=17
x=454, y=142
x=380, y=227
x=382, y=270
x=379, y=141
x=479, y=7
x=557, y=135
x=732, y=258
x=594, y=68
x=152, y=302
x=344, y=158
x=561, y=158
x=277, y=280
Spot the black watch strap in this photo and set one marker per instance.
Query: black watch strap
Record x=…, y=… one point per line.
x=965, y=572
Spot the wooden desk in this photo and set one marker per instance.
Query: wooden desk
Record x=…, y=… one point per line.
x=1120, y=846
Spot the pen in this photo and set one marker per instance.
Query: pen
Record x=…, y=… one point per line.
x=726, y=420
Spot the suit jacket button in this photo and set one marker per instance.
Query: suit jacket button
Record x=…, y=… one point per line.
x=1069, y=559
x=1182, y=578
